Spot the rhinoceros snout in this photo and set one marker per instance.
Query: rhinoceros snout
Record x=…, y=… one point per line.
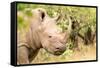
x=60, y=50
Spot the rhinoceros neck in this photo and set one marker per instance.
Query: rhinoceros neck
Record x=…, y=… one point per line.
x=35, y=39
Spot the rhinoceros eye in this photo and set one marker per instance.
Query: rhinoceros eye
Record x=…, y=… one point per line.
x=50, y=36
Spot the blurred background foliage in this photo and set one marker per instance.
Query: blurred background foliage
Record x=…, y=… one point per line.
x=86, y=16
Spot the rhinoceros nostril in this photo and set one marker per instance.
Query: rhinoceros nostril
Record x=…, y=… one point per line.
x=58, y=48
x=62, y=48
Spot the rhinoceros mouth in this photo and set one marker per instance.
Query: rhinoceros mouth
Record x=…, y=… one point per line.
x=58, y=53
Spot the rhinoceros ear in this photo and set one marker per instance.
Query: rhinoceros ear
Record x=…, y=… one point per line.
x=57, y=18
x=42, y=12
x=43, y=15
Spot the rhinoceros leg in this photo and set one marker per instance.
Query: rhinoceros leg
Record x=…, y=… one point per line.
x=22, y=55
x=32, y=55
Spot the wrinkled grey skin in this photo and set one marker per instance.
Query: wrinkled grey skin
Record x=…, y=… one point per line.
x=42, y=33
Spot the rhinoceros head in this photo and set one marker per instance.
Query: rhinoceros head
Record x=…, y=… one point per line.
x=51, y=37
